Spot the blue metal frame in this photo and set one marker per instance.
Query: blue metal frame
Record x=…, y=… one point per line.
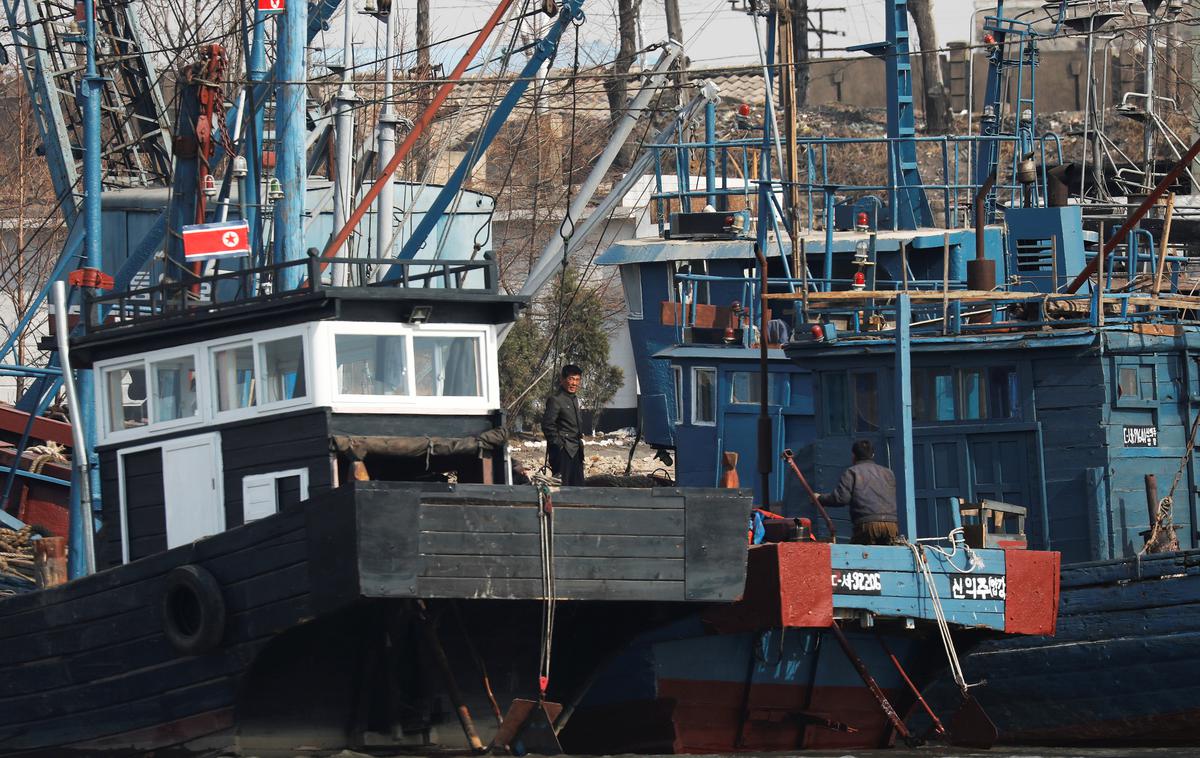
x=571, y=12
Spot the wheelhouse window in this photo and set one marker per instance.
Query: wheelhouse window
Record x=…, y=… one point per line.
x=371, y=364
x=174, y=388
x=283, y=369
x=965, y=394
x=125, y=388
x=833, y=402
x=233, y=371
x=745, y=388
x=850, y=401
x=447, y=366
x=1136, y=385
x=631, y=284
x=866, y=402
x=704, y=396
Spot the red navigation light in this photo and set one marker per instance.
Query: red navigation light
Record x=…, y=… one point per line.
x=744, y=110
x=863, y=219
x=817, y=332
x=860, y=281
x=988, y=39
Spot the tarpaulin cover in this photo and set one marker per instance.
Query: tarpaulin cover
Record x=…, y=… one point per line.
x=359, y=447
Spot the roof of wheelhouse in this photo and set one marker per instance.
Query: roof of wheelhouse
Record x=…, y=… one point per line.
x=376, y=303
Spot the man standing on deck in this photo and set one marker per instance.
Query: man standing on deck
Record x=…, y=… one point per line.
x=563, y=426
x=870, y=491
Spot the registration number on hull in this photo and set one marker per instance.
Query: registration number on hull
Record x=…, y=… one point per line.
x=857, y=582
x=978, y=587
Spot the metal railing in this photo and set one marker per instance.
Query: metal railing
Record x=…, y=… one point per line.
x=737, y=161
x=260, y=284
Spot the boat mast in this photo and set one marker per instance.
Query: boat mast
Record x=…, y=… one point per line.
x=84, y=412
x=343, y=194
x=256, y=68
x=387, y=129
x=291, y=99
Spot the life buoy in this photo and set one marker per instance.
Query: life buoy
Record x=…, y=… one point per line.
x=193, y=610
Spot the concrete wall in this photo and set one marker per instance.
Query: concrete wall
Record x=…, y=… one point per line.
x=1060, y=80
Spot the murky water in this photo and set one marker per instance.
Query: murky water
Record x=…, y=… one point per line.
x=929, y=751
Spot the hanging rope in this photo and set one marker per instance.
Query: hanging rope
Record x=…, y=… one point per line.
x=940, y=616
x=546, y=533
x=566, y=229
x=1162, y=530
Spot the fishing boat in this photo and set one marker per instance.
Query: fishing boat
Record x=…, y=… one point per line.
x=1025, y=368
x=292, y=522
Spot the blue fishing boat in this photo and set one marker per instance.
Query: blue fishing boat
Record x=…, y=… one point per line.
x=1026, y=369
x=292, y=521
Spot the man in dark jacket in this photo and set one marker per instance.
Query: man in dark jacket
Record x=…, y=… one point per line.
x=870, y=491
x=563, y=426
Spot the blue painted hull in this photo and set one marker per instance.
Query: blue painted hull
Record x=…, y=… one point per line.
x=1123, y=668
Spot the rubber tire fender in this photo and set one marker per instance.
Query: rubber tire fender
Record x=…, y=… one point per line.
x=193, y=610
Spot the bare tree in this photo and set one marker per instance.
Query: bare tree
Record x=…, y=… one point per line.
x=937, y=100
x=31, y=227
x=617, y=85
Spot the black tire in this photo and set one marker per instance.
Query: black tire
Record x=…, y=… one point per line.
x=193, y=610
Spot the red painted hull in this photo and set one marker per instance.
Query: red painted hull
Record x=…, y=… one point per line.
x=698, y=718
x=706, y=718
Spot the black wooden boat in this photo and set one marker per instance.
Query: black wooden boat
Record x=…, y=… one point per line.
x=273, y=572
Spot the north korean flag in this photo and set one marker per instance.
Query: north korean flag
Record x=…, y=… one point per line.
x=271, y=6
x=202, y=242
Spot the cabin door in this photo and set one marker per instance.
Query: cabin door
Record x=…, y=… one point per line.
x=940, y=468
x=995, y=466
x=192, y=487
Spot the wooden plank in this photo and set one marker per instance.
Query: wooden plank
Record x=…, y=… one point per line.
x=150, y=664
x=127, y=716
x=567, y=520
x=1149, y=567
x=13, y=420
x=1144, y=594
x=715, y=546
x=575, y=545
x=531, y=589
x=1178, y=301
x=247, y=581
x=388, y=543
x=110, y=597
x=962, y=612
x=898, y=558
x=332, y=535
x=511, y=567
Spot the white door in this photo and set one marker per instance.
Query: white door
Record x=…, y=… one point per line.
x=192, y=488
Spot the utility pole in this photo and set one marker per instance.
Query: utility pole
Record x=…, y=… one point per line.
x=799, y=51
x=818, y=28
x=675, y=32
x=423, y=72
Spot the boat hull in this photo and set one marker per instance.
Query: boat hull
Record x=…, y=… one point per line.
x=779, y=689
x=328, y=637
x=1120, y=669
